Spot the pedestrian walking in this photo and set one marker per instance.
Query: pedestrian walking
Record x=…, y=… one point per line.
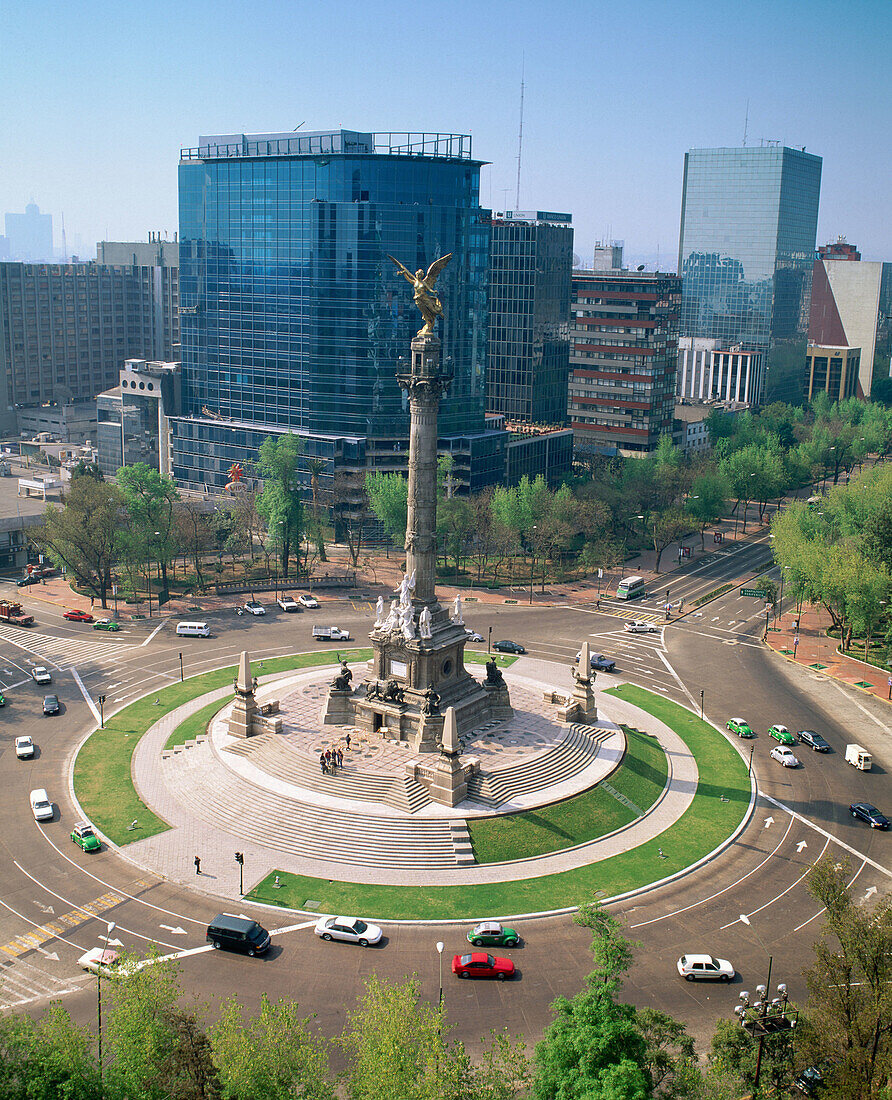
x=347, y=739
x=327, y=755
x=197, y=862
x=322, y=763
x=340, y=757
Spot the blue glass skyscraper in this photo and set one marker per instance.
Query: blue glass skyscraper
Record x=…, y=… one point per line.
x=748, y=228
x=292, y=316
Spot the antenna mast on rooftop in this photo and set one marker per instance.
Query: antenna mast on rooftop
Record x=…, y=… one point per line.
x=519, y=138
x=64, y=244
x=746, y=122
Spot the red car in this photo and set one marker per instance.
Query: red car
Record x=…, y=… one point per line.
x=77, y=616
x=480, y=965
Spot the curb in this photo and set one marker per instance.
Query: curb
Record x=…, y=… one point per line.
x=831, y=675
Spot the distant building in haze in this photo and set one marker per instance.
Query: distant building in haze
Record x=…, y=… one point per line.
x=528, y=349
x=746, y=248
x=29, y=236
x=624, y=331
x=608, y=256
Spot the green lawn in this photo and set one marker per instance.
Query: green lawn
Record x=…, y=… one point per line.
x=195, y=725
x=641, y=778
x=706, y=822
x=102, y=772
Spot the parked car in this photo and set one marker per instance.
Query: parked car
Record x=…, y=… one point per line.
x=813, y=740
x=40, y=675
x=506, y=646
x=51, y=705
x=75, y=615
x=306, y=600
x=705, y=967
x=740, y=727
x=784, y=756
x=255, y=608
x=639, y=626
x=490, y=933
x=473, y=636
x=84, y=837
x=24, y=748
x=106, y=624
x=782, y=734
x=869, y=813
x=288, y=603
x=598, y=662
x=349, y=930
x=480, y=965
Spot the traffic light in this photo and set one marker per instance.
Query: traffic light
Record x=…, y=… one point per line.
x=240, y=858
x=101, y=699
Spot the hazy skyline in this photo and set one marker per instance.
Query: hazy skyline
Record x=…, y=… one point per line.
x=99, y=98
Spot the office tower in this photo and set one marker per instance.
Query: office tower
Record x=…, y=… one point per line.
x=746, y=247
x=155, y=265
x=133, y=418
x=30, y=236
x=709, y=372
x=293, y=318
x=528, y=351
x=624, y=330
x=844, y=323
x=66, y=329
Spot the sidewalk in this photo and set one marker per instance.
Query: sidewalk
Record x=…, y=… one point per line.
x=817, y=651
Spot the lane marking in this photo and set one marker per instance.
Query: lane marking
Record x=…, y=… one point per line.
x=151, y=636
x=777, y=897
x=676, y=678
x=86, y=694
x=824, y=910
x=823, y=832
x=53, y=929
x=724, y=889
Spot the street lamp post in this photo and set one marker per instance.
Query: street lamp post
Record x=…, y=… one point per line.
x=100, y=699
x=240, y=860
x=489, y=642
x=110, y=927
x=764, y=1016
x=181, y=668
x=701, y=703
x=440, y=946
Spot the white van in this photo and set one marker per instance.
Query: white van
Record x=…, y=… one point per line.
x=630, y=588
x=859, y=758
x=194, y=630
x=41, y=806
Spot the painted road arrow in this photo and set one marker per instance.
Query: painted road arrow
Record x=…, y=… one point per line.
x=176, y=931
x=112, y=943
x=45, y=908
x=801, y=845
x=769, y=821
x=871, y=890
x=51, y=955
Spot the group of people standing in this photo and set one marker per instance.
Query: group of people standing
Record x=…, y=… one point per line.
x=332, y=759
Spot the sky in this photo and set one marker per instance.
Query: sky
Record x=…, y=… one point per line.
x=98, y=98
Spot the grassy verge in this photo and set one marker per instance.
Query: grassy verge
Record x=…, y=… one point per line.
x=706, y=822
x=194, y=726
x=103, y=782
x=713, y=595
x=641, y=777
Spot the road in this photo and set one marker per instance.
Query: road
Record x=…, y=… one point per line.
x=58, y=898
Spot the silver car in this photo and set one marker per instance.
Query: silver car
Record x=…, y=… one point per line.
x=348, y=929
x=705, y=967
x=784, y=756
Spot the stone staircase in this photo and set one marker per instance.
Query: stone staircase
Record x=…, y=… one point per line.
x=579, y=746
x=226, y=801
x=273, y=755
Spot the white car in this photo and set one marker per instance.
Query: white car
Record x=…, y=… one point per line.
x=255, y=608
x=41, y=675
x=639, y=626
x=288, y=603
x=348, y=929
x=473, y=636
x=784, y=756
x=706, y=967
x=307, y=601
x=107, y=962
x=24, y=748
x=41, y=806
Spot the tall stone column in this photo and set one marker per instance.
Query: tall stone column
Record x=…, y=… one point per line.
x=425, y=385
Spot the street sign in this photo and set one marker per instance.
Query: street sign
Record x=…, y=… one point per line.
x=759, y=595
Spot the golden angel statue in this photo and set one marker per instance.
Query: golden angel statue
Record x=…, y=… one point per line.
x=423, y=285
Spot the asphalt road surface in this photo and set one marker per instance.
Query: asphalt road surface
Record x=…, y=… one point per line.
x=61, y=898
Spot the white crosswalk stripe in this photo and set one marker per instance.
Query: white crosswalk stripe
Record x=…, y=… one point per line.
x=22, y=983
x=61, y=652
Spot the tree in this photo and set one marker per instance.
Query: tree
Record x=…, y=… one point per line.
x=850, y=986
x=317, y=466
x=271, y=1056
x=84, y=534
x=150, y=499
x=187, y=1071
x=734, y=1053
x=350, y=511
x=666, y=527
x=87, y=469
x=279, y=503
x=46, y=1059
x=389, y=500
x=707, y=501
x=396, y=1051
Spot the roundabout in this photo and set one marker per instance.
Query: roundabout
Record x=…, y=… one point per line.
x=325, y=843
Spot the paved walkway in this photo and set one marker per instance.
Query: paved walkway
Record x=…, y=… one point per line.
x=171, y=854
x=802, y=638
